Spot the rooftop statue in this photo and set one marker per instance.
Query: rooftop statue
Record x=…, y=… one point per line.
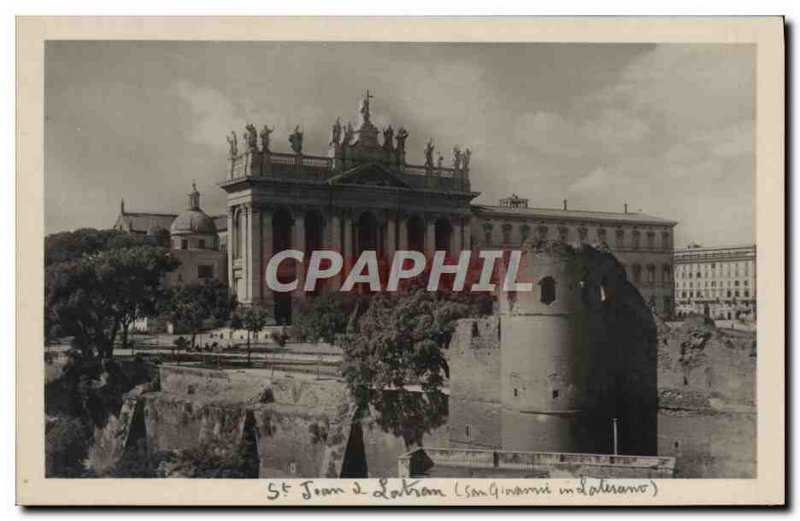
x=251, y=138
x=429, y=153
x=402, y=134
x=465, y=159
x=439, y=161
x=457, y=158
x=265, y=132
x=296, y=140
x=388, y=138
x=233, y=147
x=348, y=134
x=336, y=133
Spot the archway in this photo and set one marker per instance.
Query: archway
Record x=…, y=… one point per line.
x=314, y=233
x=368, y=233
x=444, y=234
x=282, y=222
x=416, y=233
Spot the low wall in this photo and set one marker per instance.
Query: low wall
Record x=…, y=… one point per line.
x=463, y=462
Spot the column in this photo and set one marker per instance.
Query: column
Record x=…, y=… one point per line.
x=299, y=243
x=389, y=248
x=466, y=234
x=232, y=231
x=266, y=253
x=430, y=237
x=333, y=237
x=254, y=255
x=402, y=234
x=247, y=258
x=348, y=243
x=455, y=246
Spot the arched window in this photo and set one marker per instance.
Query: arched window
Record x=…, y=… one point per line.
x=547, y=287
x=636, y=239
x=637, y=273
x=651, y=273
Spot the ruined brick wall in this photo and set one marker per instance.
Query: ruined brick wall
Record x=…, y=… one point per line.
x=474, y=404
x=707, y=413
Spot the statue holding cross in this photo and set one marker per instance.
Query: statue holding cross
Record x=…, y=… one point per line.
x=364, y=109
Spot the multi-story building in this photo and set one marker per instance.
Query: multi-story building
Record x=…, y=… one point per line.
x=642, y=243
x=719, y=282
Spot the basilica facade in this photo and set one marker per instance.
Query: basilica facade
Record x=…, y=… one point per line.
x=363, y=194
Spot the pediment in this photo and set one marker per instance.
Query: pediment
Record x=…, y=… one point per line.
x=371, y=174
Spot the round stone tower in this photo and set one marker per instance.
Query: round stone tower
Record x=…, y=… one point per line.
x=545, y=346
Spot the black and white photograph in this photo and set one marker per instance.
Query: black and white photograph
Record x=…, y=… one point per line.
x=389, y=263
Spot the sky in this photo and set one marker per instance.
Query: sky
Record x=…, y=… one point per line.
x=668, y=128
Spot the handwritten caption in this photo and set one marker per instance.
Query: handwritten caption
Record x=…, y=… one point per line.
x=385, y=489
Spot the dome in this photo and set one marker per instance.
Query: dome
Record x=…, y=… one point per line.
x=193, y=220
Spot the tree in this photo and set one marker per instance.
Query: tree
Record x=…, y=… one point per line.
x=67, y=246
x=253, y=318
x=96, y=296
x=326, y=316
x=191, y=305
x=398, y=342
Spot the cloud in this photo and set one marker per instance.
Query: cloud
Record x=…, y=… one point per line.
x=212, y=112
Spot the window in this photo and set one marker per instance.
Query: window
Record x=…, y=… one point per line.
x=184, y=244
x=555, y=394
x=466, y=430
x=746, y=293
x=507, y=232
x=651, y=240
x=547, y=288
x=636, y=239
x=582, y=232
x=525, y=231
x=543, y=233
x=205, y=271
x=601, y=234
x=201, y=243
x=487, y=232
x=563, y=233
x=637, y=273
x=620, y=238
x=666, y=273
x=665, y=240
x=651, y=274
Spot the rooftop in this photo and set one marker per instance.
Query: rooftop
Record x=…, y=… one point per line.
x=554, y=213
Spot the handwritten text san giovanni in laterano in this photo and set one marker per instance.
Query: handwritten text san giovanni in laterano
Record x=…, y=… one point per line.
x=466, y=490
